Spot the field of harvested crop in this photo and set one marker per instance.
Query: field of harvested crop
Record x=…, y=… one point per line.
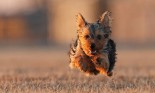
x=45, y=70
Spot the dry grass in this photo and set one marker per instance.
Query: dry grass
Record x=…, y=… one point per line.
x=46, y=71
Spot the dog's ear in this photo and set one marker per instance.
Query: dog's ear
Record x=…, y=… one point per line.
x=80, y=21
x=105, y=19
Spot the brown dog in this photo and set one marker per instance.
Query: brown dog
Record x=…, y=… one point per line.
x=93, y=52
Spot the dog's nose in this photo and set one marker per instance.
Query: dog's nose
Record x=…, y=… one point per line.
x=92, y=46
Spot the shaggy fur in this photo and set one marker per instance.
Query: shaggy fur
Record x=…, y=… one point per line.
x=93, y=52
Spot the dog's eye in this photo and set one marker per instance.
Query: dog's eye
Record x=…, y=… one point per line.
x=106, y=36
x=87, y=36
x=99, y=37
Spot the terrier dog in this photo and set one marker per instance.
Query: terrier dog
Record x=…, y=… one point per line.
x=93, y=51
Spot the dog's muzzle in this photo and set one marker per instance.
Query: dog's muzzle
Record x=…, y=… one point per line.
x=92, y=52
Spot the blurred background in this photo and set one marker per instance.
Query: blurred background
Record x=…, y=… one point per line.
x=48, y=22
x=40, y=31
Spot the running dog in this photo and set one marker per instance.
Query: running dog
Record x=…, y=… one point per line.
x=93, y=51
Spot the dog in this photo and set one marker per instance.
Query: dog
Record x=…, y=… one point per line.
x=93, y=51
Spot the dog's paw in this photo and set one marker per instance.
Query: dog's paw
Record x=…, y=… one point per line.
x=109, y=74
x=98, y=61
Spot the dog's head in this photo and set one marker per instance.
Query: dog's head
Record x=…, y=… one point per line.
x=93, y=36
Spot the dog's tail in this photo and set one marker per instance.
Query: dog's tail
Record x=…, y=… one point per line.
x=112, y=54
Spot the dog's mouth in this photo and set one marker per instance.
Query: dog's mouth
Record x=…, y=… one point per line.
x=92, y=52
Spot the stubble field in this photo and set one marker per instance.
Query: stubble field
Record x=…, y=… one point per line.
x=45, y=70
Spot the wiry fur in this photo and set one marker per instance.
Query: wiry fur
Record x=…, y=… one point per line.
x=103, y=58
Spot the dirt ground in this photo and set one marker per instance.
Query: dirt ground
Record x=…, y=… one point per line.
x=46, y=70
